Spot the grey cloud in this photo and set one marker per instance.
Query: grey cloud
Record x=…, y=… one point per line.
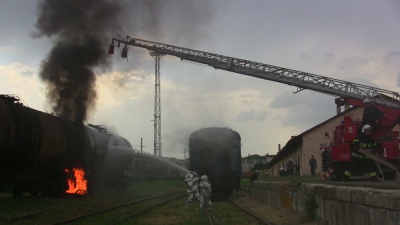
x=392, y=56
x=329, y=55
x=10, y=49
x=251, y=115
x=246, y=102
x=398, y=80
x=313, y=58
x=27, y=73
x=304, y=109
x=247, y=95
x=305, y=56
x=167, y=21
x=284, y=100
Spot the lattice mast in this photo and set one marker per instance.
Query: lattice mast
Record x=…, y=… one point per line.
x=157, y=104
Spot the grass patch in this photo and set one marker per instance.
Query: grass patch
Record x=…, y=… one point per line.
x=245, y=183
x=272, y=215
x=178, y=213
x=46, y=210
x=294, y=179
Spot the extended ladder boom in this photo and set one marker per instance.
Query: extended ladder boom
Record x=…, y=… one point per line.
x=302, y=80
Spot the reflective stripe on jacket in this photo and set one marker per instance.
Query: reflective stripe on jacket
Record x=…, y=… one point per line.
x=363, y=141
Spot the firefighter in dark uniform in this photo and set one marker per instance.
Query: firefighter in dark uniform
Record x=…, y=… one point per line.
x=359, y=160
x=371, y=115
x=325, y=160
x=290, y=167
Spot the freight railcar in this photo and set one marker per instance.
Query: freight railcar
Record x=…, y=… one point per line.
x=216, y=152
x=39, y=152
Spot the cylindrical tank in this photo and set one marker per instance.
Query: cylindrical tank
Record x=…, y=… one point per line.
x=111, y=156
x=216, y=152
x=36, y=148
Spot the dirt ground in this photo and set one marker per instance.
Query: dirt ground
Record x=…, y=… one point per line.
x=272, y=215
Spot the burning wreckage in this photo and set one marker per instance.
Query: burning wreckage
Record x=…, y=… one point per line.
x=42, y=153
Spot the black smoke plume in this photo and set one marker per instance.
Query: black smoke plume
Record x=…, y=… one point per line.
x=80, y=31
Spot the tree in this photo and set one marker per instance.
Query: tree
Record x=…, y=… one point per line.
x=259, y=166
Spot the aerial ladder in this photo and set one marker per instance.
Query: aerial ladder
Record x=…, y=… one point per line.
x=347, y=93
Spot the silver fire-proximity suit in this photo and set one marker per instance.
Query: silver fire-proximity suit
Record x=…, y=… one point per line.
x=192, y=186
x=205, y=192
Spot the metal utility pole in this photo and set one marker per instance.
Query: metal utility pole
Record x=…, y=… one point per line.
x=141, y=145
x=157, y=105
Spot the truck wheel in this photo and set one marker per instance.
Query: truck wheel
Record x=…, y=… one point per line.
x=337, y=174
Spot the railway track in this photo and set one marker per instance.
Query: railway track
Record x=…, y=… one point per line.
x=212, y=220
x=251, y=213
x=210, y=217
x=126, y=218
x=129, y=207
x=126, y=210
x=150, y=203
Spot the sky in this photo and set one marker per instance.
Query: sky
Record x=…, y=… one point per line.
x=356, y=41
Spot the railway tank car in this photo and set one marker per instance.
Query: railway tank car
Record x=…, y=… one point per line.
x=216, y=152
x=39, y=152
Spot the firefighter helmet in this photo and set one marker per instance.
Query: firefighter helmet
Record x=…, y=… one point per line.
x=204, y=178
x=366, y=127
x=366, y=101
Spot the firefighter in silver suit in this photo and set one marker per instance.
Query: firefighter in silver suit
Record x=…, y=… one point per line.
x=205, y=192
x=192, y=186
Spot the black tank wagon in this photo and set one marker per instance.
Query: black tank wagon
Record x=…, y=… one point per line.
x=38, y=151
x=216, y=152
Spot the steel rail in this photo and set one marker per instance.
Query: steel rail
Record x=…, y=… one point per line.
x=251, y=213
x=147, y=209
x=112, y=208
x=209, y=216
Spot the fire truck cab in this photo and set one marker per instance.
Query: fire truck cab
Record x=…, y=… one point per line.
x=344, y=134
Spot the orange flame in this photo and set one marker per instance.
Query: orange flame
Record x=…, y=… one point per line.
x=77, y=184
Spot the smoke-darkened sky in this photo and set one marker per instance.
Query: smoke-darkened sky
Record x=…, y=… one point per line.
x=357, y=41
